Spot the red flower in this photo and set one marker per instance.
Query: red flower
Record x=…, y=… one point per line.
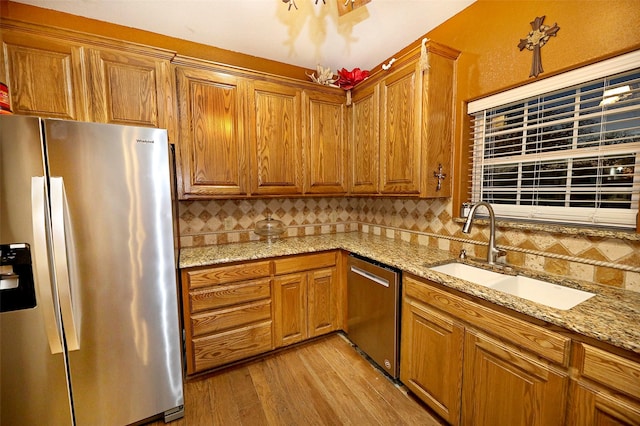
x=348, y=79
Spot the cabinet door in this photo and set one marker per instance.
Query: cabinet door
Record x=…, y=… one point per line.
x=44, y=75
x=290, y=306
x=325, y=143
x=364, y=142
x=322, y=301
x=437, y=124
x=591, y=406
x=275, y=138
x=127, y=88
x=400, y=123
x=212, y=148
x=503, y=386
x=431, y=364
x=606, y=390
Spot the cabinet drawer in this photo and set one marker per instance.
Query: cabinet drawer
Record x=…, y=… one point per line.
x=229, y=294
x=236, y=316
x=227, y=274
x=304, y=262
x=233, y=345
x=541, y=341
x=608, y=369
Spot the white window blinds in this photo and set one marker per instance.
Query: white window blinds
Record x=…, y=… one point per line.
x=569, y=155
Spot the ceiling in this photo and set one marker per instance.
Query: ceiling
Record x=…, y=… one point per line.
x=313, y=34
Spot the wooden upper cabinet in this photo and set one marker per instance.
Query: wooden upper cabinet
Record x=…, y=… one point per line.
x=324, y=143
x=275, y=136
x=401, y=127
x=75, y=76
x=44, y=75
x=400, y=142
x=437, y=120
x=364, y=141
x=129, y=88
x=213, y=143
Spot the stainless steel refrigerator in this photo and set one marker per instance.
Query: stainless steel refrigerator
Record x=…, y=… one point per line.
x=89, y=330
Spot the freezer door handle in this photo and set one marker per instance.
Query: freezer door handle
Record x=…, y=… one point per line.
x=41, y=267
x=368, y=275
x=64, y=260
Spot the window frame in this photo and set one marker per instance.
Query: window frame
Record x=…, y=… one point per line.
x=522, y=95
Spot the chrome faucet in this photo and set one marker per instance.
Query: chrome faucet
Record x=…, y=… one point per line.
x=492, y=252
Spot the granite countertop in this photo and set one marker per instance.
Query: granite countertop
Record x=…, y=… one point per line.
x=612, y=316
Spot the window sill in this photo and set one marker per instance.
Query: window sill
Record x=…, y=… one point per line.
x=584, y=231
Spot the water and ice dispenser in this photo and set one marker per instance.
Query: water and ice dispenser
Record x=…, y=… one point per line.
x=17, y=289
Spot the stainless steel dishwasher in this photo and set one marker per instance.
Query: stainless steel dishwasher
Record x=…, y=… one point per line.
x=373, y=311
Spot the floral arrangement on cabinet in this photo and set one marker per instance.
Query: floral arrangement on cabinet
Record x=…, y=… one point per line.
x=345, y=79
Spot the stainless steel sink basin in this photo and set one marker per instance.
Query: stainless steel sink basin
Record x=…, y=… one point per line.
x=543, y=292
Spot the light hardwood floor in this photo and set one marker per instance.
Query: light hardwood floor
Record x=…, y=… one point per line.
x=323, y=382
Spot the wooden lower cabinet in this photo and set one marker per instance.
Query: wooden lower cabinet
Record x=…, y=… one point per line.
x=431, y=358
x=305, y=303
x=227, y=312
x=606, y=390
x=322, y=301
x=235, y=311
x=503, y=386
x=593, y=406
x=476, y=366
x=290, y=301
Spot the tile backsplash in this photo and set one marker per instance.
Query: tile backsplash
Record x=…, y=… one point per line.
x=602, y=259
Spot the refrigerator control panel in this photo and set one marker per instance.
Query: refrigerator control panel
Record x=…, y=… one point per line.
x=17, y=289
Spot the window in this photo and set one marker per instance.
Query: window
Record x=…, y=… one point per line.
x=565, y=149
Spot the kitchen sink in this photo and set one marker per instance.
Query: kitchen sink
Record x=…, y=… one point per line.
x=469, y=273
x=535, y=290
x=546, y=293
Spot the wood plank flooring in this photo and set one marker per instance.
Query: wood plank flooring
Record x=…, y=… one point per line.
x=323, y=382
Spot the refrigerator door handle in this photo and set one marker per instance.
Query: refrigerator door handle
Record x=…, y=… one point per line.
x=41, y=267
x=64, y=260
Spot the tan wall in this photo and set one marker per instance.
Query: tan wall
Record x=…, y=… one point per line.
x=488, y=32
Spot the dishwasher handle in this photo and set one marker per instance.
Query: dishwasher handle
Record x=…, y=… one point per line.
x=370, y=276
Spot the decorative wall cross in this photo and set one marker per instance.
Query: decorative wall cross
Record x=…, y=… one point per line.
x=537, y=38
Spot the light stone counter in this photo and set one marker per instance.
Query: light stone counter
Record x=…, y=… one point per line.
x=612, y=316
